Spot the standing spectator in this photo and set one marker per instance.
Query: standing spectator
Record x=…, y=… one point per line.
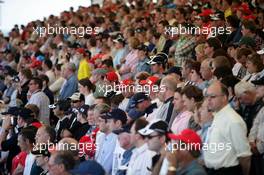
x=236, y=159
x=71, y=84
x=40, y=99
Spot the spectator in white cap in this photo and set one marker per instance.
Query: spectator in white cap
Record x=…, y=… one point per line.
x=156, y=134
x=141, y=160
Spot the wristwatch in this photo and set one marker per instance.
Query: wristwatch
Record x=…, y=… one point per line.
x=172, y=168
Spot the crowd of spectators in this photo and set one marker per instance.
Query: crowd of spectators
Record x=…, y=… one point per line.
x=133, y=96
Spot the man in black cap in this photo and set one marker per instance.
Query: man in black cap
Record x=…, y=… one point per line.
x=117, y=119
x=82, y=126
x=158, y=64
x=142, y=103
x=61, y=110
x=156, y=132
x=42, y=155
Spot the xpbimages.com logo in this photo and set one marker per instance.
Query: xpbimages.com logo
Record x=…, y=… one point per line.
x=195, y=30
x=65, y=30
x=147, y=89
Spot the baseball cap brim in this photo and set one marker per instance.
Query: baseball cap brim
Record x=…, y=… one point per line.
x=146, y=131
x=260, y=52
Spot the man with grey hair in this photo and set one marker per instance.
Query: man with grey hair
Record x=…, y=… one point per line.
x=71, y=84
x=249, y=104
x=168, y=86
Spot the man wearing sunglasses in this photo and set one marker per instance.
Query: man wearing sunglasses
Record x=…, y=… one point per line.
x=155, y=133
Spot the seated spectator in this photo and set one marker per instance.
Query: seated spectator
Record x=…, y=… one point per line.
x=42, y=159
x=26, y=140
x=61, y=162
x=184, y=161
x=40, y=99
x=239, y=69
x=71, y=84
x=182, y=116
x=249, y=104
x=87, y=89
x=254, y=67
x=55, y=87
x=143, y=59
x=141, y=160
x=61, y=110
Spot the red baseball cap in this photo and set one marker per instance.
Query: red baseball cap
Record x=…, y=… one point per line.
x=206, y=12
x=189, y=137
x=81, y=51
x=111, y=76
x=127, y=82
x=150, y=80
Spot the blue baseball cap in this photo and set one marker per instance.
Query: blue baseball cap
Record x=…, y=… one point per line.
x=117, y=114
x=88, y=167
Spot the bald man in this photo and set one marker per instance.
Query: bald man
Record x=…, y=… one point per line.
x=228, y=133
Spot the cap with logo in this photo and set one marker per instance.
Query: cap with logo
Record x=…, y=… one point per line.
x=83, y=109
x=160, y=58
x=77, y=96
x=159, y=126
x=138, y=98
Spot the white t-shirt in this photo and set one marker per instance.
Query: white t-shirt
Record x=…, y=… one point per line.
x=89, y=99
x=28, y=163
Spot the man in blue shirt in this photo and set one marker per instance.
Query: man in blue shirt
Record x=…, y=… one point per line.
x=71, y=84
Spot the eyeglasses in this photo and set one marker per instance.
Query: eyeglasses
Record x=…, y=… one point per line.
x=211, y=96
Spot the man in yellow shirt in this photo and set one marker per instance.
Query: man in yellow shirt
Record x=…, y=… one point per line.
x=84, y=69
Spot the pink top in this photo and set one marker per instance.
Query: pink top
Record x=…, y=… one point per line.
x=130, y=64
x=181, y=122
